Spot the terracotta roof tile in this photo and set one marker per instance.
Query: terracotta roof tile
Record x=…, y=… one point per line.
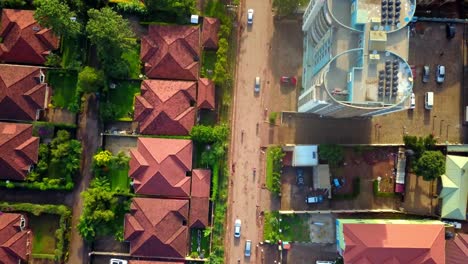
x=206, y=94
x=159, y=166
x=165, y=107
x=199, y=212
x=21, y=92
x=24, y=40
x=13, y=241
x=210, y=33
x=165, y=227
x=456, y=250
x=18, y=150
x=201, y=181
x=171, y=52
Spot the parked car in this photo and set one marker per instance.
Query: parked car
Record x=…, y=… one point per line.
x=450, y=30
x=412, y=101
x=237, y=228
x=257, y=84
x=429, y=100
x=300, y=177
x=337, y=183
x=440, y=74
x=425, y=74
x=250, y=14
x=118, y=261
x=248, y=245
x=314, y=199
x=288, y=80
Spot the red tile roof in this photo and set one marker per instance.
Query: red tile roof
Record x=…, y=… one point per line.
x=15, y=244
x=456, y=250
x=199, y=212
x=394, y=243
x=158, y=166
x=201, y=180
x=24, y=40
x=206, y=94
x=21, y=93
x=165, y=107
x=171, y=52
x=210, y=33
x=157, y=227
x=18, y=150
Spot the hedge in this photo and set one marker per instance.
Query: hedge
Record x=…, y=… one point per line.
x=215, y=181
x=37, y=185
x=62, y=234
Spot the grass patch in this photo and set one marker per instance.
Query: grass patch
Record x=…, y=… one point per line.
x=269, y=170
x=119, y=179
x=271, y=226
x=132, y=57
x=63, y=84
x=123, y=98
x=204, y=243
x=379, y=193
x=43, y=228
x=274, y=159
x=208, y=63
x=295, y=227
x=72, y=52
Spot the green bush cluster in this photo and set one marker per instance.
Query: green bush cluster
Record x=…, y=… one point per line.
x=133, y=7
x=272, y=117
x=271, y=226
x=426, y=161
x=105, y=160
x=379, y=193
x=332, y=153
x=62, y=234
x=274, y=165
x=213, y=140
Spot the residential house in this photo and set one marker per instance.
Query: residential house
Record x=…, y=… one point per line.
x=157, y=228
x=210, y=31
x=206, y=94
x=161, y=167
x=390, y=241
x=454, y=192
x=171, y=52
x=24, y=41
x=166, y=107
x=18, y=151
x=15, y=239
x=456, y=250
x=200, y=198
x=23, y=92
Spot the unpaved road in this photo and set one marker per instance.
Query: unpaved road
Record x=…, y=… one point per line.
x=248, y=111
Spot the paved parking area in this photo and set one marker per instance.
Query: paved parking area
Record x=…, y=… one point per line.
x=310, y=253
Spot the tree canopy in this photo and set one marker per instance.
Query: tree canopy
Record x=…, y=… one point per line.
x=332, y=153
x=430, y=165
x=285, y=7
x=56, y=14
x=91, y=80
x=180, y=9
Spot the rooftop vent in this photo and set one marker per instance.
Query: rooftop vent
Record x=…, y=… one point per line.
x=36, y=28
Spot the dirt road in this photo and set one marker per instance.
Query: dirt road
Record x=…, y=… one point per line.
x=248, y=111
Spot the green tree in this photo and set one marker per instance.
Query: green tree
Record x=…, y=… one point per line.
x=285, y=7
x=53, y=60
x=91, y=80
x=221, y=73
x=209, y=134
x=430, y=165
x=102, y=158
x=56, y=14
x=112, y=36
x=12, y=3
x=179, y=9
x=331, y=153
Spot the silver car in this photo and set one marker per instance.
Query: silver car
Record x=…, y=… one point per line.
x=237, y=228
x=440, y=74
x=250, y=14
x=257, y=84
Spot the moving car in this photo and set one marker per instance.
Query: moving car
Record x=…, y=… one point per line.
x=257, y=84
x=450, y=30
x=440, y=74
x=118, y=261
x=425, y=74
x=413, y=101
x=314, y=199
x=248, y=245
x=250, y=14
x=237, y=228
x=300, y=177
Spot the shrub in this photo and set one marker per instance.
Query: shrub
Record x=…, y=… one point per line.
x=379, y=193
x=332, y=153
x=272, y=117
x=274, y=165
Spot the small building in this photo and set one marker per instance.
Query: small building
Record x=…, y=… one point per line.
x=15, y=239
x=454, y=193
x=390, y=241
x=23, y=39
x=303, y=155
x=210, y=31
x=206, y=94
x=18, y=151
x=200, y=198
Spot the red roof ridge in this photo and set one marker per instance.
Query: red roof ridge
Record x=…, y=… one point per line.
x=26, y=149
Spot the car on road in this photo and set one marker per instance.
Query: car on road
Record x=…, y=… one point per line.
x=118, y=261
x=425, y=74
x=250, y=14
x=248, y=248
x=300, y=177
x=288, y=80
x=450, y=30
x=257, y=84
x=237, y=228
x=311, y=199
x=440, y=74
x=412, y=101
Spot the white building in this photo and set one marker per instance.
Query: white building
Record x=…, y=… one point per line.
x=355, y=57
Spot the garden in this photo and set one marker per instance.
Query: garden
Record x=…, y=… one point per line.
x=64, y=86
x=43, y=228
x=274, y=164
x=120, y=101
x=200, y=243
x=286, y=227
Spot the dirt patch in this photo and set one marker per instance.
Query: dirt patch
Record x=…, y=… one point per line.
x=115, y=144
x=57, y=115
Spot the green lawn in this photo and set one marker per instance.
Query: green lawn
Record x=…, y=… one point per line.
x=132, y=57
x=43, y=228
x=295, y=227
x=73, y=52
x=119, y=179
x=269, y=169
x=208, y=63
x=204, y=241
x=63, y=84
x=123, y=98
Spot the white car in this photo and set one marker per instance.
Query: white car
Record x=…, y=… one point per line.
x=250, y=14
x=118, y=261
x=440, y=74
x=237, y=228
x=257, y=84
x=413, y=101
